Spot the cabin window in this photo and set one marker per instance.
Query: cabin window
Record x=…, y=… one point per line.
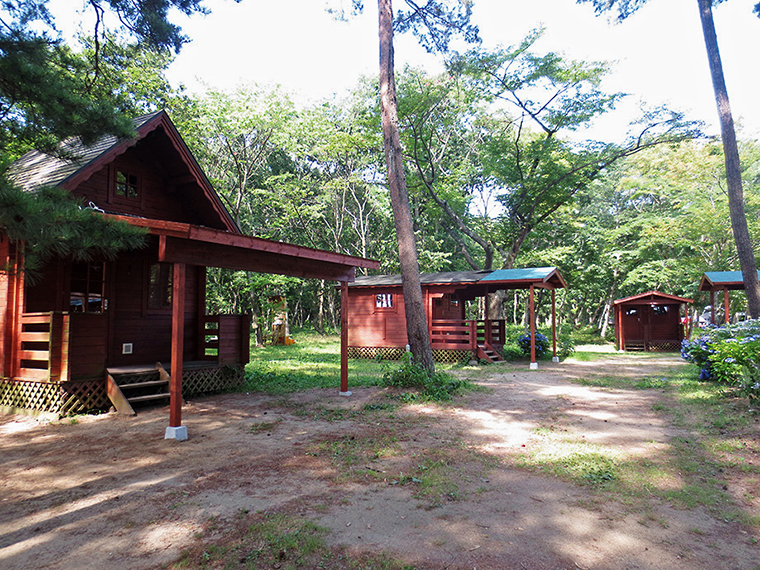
x=127, y=185
x=631, y=311
x=160, y=286
x=660, y=310
x=384, y=301
x=87, y=287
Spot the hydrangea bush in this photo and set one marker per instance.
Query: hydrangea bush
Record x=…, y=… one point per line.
x=542, y=344
x=729, y=354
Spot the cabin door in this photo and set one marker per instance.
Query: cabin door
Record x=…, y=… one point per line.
x=88, y=307
x=634, y=324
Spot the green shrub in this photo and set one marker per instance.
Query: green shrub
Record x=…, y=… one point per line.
x=435, y=386
x=729, y=354
x=512, y=352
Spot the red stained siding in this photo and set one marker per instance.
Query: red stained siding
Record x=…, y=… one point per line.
x=371, y=326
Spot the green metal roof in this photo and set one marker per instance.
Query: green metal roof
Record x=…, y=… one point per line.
x=526, y=274
x=714, y=280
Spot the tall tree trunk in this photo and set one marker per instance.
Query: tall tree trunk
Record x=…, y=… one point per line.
x=320, y=321
x=733, y=166
x=603, y=324
x=416, y=322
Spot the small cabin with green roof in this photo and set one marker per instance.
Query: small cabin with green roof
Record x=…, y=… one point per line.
x=377, y=320
x=716, y=281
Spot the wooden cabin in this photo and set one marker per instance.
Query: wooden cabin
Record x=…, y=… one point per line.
x=650, y=321
x=377, y=319
x=135, y=328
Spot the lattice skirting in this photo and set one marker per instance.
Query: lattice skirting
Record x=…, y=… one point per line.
x=70, y=398
x=58, y=398
x=447, y=356
x=664, y=346
x=198, y=381
x=652, y=346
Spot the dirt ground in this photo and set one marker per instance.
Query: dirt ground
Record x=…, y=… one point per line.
x=109, y=492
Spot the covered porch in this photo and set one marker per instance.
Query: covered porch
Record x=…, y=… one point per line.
x=725, y=281
x=64, y=362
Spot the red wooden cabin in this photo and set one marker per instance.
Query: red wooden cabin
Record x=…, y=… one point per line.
x=92, y=330
x=377, y=320
x=649, y=322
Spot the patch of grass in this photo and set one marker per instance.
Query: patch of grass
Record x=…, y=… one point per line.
x=352, y=455
x=603, y=382
x=576, y=461
x=275, y=540
x=312, y=362
x=588, y=356
x=434, y=482
x=262, y=427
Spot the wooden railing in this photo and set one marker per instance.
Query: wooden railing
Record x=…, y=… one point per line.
x=465, y=334
x=224, y=338
x=43, y=347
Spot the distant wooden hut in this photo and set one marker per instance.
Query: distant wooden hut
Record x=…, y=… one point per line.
x=649, y=322
x=377, y=319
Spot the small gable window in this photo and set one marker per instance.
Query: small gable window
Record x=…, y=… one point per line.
x=127, y=185
x=160, y=286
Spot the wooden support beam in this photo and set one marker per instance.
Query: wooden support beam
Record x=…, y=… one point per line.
x=178, y=341
x=712, y=307
x=533, y=363
x=344, y=339
x=726, y=316
x=554, y=327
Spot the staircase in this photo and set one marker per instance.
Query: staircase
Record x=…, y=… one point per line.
x=486, y=352
x=130, y=385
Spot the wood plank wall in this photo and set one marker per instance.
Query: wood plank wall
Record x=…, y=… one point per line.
x=370, y=326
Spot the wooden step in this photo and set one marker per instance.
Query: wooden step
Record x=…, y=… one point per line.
x=148, y=398
x=145, y=384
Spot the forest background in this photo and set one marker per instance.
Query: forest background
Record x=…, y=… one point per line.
x=498, y=177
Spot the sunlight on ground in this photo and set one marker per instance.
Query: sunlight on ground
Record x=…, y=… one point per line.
x=19, y=425
x=579, y=392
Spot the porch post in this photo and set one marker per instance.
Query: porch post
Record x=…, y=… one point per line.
x=344, y=391
x=725, y=306
x=176, y=430
x=13, y=310
x=712, y=307
x=555, y=358
x=619, y=327
x=533, y=363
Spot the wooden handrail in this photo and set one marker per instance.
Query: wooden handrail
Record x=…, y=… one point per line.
x=464, y=333
x=42, y=351
x=224, y=338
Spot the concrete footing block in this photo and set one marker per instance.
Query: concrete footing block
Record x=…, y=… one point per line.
x=555, y=358
x=179, y=433
x=534, y=365
x=345, y=394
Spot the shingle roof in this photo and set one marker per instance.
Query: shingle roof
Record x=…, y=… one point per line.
x=37, y=168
